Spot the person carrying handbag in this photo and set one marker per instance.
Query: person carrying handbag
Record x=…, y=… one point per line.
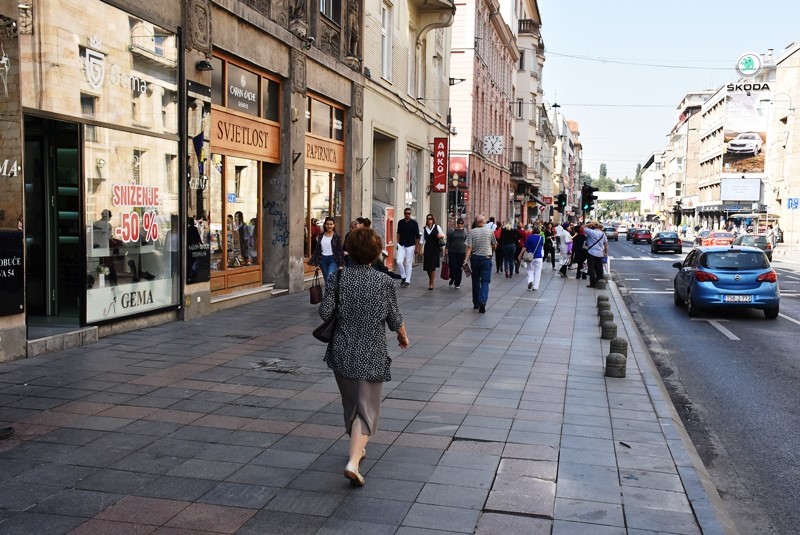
x=533, y=253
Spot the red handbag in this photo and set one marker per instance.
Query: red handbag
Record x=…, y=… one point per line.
x=445, y=273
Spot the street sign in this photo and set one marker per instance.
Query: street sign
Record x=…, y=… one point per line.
x=793, y=203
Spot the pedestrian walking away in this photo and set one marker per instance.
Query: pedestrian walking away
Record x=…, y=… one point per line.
x=532, y=253
x=455, y=249
x=431, y=248
x=565, y=237
x=597, y=249
x=328, y=250
x=358, y=353
x=480, y=244
x=509, y=236
x=579, y=252
x=550, y=244
x=407, y=246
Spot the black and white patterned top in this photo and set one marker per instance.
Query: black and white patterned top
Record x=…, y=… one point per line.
x=367, y=303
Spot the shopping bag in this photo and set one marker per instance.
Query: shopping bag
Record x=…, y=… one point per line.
x=315, y=291
x=445, y=272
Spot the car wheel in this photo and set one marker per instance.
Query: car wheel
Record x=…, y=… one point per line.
x=676, y=298
x=691, y=309
x=771, y=313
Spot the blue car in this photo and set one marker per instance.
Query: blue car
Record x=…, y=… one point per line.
x=727, y=277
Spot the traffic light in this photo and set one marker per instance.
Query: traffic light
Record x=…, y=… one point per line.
x=561, y=202
x=587, y=197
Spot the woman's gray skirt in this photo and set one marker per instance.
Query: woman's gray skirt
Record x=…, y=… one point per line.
x=363, y=399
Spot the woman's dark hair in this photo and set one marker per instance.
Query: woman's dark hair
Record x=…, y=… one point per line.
x=364, y=246
x=459, y=221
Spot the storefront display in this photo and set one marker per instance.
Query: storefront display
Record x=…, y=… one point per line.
x=244, y=136
x=324, y=157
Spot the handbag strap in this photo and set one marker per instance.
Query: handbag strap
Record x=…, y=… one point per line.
x=595, y=243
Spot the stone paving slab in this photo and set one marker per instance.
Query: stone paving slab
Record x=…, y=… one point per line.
x=493, y=423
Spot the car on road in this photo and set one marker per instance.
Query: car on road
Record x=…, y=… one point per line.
x=642, y=234
x=726, y=277
x=622, y=229
x=611, y=233
x=755, y=240
x=745, y=143
x=629, y=234
x=666, y=241
x=700, y=236
x=717, y=237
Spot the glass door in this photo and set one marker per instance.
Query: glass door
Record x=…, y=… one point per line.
x=56, y=279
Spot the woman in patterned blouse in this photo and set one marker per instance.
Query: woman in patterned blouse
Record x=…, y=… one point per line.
x=358, y=353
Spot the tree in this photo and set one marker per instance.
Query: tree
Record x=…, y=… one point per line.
x=603, y=170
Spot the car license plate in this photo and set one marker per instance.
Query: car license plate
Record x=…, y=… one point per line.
x=669, y=241
x=738, y=299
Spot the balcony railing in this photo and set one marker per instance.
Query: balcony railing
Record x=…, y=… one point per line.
x=519, y=170
x=528, y=26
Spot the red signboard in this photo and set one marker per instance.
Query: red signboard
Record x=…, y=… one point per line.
x=439, y=164
x=547, y=200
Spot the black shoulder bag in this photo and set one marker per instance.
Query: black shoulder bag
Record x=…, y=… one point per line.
x=324, y=333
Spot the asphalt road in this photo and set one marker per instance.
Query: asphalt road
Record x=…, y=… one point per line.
x=733, y=376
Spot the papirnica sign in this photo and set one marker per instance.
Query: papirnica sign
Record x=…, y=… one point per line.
x=134, y=195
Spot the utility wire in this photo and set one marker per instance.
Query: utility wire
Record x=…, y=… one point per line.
x=620, y=62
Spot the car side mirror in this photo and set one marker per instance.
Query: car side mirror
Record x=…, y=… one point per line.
x=678, y=265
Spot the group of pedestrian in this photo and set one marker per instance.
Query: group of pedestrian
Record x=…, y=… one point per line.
x=364, y=300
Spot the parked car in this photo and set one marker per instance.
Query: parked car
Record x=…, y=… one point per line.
x=642, y=234
x=666, y=241
x=745, y=143
x=755, y=240
x=717, y=237
x=611, y=233
x=727, y=277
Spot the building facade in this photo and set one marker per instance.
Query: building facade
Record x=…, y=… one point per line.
x=172, y=161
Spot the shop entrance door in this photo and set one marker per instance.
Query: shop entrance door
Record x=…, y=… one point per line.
x=55, y=273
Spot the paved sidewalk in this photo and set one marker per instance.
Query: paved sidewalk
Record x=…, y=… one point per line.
x=494, y=423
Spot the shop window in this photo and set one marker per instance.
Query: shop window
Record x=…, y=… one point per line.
x=233, y=220
x=217, y=82
x=413, y=162
x=270, y=95
x=323, y=198
x=88, y=107
x=132, y=228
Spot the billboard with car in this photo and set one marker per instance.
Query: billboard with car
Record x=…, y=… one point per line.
x=745, y=133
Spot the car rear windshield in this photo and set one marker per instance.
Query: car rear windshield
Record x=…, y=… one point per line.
x=668, y=235
x=734, y=260
x=754, y=240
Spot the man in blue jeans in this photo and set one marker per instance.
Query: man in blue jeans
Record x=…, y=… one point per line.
x=480, y=245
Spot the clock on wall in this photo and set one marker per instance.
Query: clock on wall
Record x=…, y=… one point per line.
x=493, y=145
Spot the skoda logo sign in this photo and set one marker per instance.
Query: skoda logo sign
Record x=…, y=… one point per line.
x=749, y=64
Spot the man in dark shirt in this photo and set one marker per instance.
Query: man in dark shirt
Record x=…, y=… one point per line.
x=407, y=246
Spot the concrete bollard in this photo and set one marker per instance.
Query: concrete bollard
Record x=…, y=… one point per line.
x=619, y=345
x=606, y=315
x=603, y=305
x=615, y=365
x=609, y=330
x=600, y=284
x=602, y=297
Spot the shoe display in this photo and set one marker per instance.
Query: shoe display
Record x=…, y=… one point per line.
x=134, y=271
x=146, y=275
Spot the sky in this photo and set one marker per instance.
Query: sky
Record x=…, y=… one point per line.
x=623, y=104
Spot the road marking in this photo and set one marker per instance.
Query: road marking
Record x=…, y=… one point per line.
x=649, y=291
x=632, y=279
x=716, y=324
x=661, y=280
x=784, y=316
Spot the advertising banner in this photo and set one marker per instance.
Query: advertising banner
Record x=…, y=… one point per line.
x=745, y=132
